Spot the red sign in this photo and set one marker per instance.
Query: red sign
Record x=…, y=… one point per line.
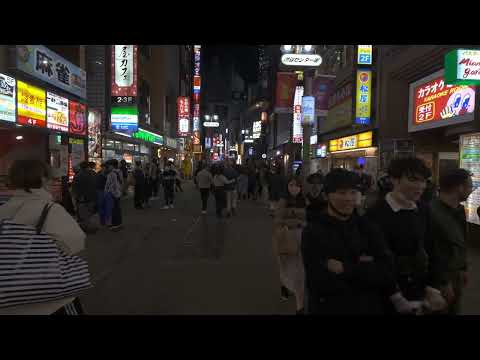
x=436, y=101
x=183, y=111
x=196, y=82
x=78, y=119
x=124, y=70
x=286, y=83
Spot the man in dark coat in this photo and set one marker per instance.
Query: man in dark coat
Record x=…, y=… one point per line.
x=449, y=231
x=405, y=223
x=348, y=269
x=139, y=188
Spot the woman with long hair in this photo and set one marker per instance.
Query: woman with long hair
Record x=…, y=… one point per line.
x=289, y=223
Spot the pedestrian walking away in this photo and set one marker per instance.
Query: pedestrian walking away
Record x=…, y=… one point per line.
x=288, y=226
x=124, y=171
x=139, y=185
x=84, y=189
x=230, y=189
x=219, y=182
x=113, y=187
x=169, y=178
x=204, y=181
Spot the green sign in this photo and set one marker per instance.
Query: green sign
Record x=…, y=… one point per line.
x=148, y=136
x=462, y=67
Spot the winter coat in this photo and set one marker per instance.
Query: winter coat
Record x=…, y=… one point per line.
x=204, y=179
x=84, y=186
x=25, y=208
x=242, y=184
x=361, y=288
x=277, y=185
x=231, y=174
x=113, y=184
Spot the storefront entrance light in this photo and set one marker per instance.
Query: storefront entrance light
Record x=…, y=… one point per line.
x=19, y=137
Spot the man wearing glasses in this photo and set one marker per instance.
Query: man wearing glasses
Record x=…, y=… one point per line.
x=405, y=223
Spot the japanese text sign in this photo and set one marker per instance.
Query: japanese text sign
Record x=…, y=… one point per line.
x=183, y=112
x=124, y=70
x=364, y=55
x=44, y=64
x=308, y=110
x=257, y=129
x=462, y=67
x=352, y=142
x=301, y=60
x=363, y=98
x=57, y=112
x=148, y=136
x=125, y=119
x=78, y=118
x=297, y=116
x=31, y=105
x=433, y=103
x=7, y=98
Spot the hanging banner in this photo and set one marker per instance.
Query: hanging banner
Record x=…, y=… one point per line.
x=7, y=98
x=124, y=70
x=322, y=88
x=364, y=97
x=308, y=110
x=286, y=84
x=297, y=136
x=31, y=105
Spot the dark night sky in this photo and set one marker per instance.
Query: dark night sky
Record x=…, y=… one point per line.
x=244, y=58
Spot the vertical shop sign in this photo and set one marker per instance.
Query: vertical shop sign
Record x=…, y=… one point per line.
x=78, y=122
x=364, y=55
x=94, y=134
x=308, y=110
x=470, y=160
x=285, y=91
x=124, y=70
x=363, y=99
x=183, y=112
x=297, y=116
x=57, y=112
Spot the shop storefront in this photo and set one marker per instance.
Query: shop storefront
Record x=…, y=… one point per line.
x=352, y=150
x=169, y=151
x=41, y=108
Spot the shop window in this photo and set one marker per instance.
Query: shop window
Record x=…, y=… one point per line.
x=118, y=145
x=110, y=144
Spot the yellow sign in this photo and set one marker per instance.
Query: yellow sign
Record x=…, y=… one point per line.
x=31, y=105
x=357, y=141
x=75, y=141
x=363, y=99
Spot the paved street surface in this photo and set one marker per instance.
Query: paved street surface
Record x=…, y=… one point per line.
x=178, y=262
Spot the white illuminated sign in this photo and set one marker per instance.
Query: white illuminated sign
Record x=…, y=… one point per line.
x=124, y=65
x=257, y=129
x=297, y=115
x=211, y=124
x=301, y=60
x=364, y=55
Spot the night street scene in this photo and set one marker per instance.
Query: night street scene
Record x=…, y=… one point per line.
x=240, y=180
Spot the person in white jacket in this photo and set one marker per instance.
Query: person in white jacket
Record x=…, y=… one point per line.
x=30, y=179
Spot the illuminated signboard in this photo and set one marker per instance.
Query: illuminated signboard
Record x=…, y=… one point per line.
x=357, y=141
x=183, y=112
x=308, y=110
x=470, y=160
x=434, y=104
x=257, y=129
x=301, y=60
x=313, y=139
x=297, y=115
x=125, y=119
x=31, y=105
x=44, y=64
x=7, y=98
x=363, y=99
x=57, y=112
x=196, y=94
x=78, y=119
x=462, y=67
x=148, y=136
x=124, y=70
x=94, y=134
x=321, y=151
x=364, y=55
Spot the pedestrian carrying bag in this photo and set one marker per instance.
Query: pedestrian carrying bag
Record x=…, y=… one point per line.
x=33, y=269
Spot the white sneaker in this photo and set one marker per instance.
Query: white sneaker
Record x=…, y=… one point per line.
x=203, y=212
x=165, y=207
x=171, y=206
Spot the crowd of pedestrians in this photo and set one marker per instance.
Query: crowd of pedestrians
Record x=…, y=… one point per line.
x=404, y=253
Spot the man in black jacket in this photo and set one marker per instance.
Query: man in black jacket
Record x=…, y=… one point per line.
x=404, y=221
x=449, y=231
x=348, y=269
